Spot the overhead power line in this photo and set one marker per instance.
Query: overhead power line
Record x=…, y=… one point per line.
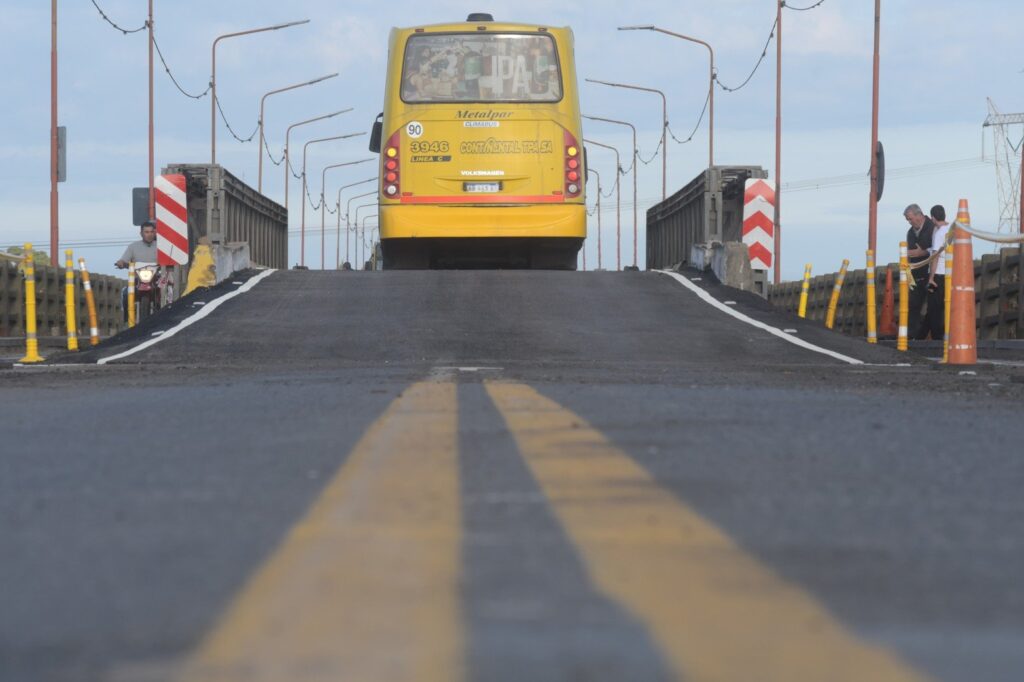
x=159, y=52
x=905, y=172
x=764, y=50
x=803, y=9
x=656, y=154
x=232, y=130
x=764, y=54
x=696, y=127
x=174, y=80
x=266, y=145
x=123, y=30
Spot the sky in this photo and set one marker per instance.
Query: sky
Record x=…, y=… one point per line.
x=940, y=60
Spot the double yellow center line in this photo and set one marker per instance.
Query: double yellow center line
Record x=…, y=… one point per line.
x=366, y=587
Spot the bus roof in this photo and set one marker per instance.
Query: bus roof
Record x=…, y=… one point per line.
x=473, y=26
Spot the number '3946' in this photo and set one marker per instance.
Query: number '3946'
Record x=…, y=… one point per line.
x=426, y=147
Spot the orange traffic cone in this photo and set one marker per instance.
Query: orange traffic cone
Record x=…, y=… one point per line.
x=963, y=345
x=887, y=325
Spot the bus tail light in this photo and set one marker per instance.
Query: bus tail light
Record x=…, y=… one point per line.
x=573, y=184
x=391, y=177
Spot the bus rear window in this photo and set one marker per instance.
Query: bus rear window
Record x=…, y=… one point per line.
x=474, y=67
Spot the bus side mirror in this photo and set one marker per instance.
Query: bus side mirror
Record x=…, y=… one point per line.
x=376, y=134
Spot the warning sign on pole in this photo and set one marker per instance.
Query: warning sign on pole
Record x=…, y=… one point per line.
x=759, y=223
x=171, y=220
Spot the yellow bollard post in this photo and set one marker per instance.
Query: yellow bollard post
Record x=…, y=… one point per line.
x=31, y=339
x=90, y=301
x=901, y=338
x=948, y=299
x=131, y=295
x=869, y=277
x=804, y=290
x=69, y=300
x=830, y=318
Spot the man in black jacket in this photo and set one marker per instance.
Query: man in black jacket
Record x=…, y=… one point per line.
x=919, y=240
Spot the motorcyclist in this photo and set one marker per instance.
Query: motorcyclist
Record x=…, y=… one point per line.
x=142, y=251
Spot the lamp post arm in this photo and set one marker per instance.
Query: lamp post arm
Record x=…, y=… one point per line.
x=293, y=87
x=213, y=75
x=711, y=80
x=332, y=138
x=618, y=163
x=664, y=126
x=323, y=175
x=348, y=206
x=636, y=157
x=362, y=206
x=354, y=184
x=288, y=132
x=263, y=101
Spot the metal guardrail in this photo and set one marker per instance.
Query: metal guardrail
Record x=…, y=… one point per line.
x=998, y=286
x=50, y=308
x=708, y=208
x=224, y=209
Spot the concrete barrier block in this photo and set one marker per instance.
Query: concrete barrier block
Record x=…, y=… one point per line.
x=729, y=261
x=230, y=258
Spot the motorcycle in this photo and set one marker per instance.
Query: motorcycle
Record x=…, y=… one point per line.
x=151, y=283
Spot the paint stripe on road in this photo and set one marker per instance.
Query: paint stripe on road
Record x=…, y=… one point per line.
x=365, y=587
x=715, y=611
x=775, y=331
x=207, y=309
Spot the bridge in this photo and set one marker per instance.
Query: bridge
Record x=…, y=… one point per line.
x=506, y=475
x=680, y=467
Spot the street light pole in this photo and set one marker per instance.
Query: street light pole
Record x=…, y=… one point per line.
x=711, y=82
x=340, y=190
x=348, y=223
x=618, y=203
x=287, y=138
x=54, y=204
x=305, y=150
x=873, y=199
x=636, y=155
x=365, y=218
x=777, y=265
x=359, y=238
x=152, y=161
x=259, y=182
x=664, y=128
x=598, y=211
x=213, y=77
x=323, y=202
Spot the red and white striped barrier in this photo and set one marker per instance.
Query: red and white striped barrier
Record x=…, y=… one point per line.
x=171, y=220
x=759, y=222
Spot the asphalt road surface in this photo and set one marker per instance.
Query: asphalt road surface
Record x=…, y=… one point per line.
x=521, y=476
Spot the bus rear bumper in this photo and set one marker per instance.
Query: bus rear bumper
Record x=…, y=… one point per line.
x=431, y=221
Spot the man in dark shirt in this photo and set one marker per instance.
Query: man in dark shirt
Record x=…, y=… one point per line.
x=919, y=240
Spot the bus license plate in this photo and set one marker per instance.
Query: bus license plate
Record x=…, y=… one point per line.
x=482, y=187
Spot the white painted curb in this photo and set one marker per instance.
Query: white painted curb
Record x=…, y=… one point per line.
x=775, y=331
x=191, y=320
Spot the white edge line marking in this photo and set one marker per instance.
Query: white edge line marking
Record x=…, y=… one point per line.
x=796, y=341
x=191, y=320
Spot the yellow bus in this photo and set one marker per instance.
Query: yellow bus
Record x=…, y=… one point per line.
x=480, y=143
